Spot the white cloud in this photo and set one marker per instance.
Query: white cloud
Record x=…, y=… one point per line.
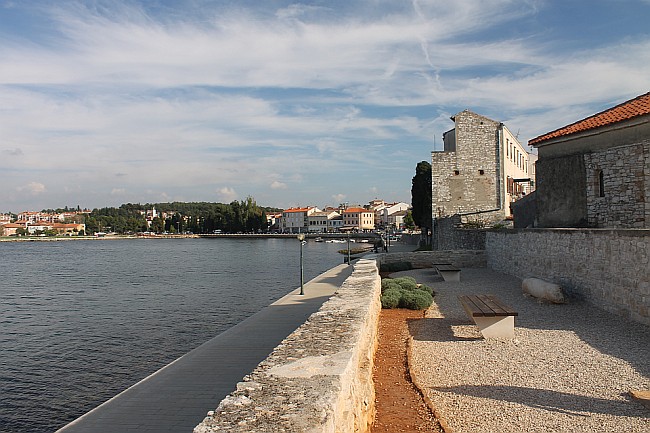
x=118, y=191
x=278, y=185
x=34, y=188
x=226, y=194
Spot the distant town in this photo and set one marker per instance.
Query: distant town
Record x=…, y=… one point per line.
x=207, y=218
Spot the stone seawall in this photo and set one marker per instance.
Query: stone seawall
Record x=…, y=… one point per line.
x=425, y=259
x=319, y=379
x=608, y=268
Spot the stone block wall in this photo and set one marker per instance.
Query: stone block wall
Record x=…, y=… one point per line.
x=624, y=200
x=425, y=259
x=448, y=236
x=608, y=268
x=319, y=379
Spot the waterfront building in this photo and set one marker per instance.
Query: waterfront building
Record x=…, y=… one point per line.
x=480, y=171
x=319, y=222
x=393, y=212
x=10, y=229
x=358, y=218
x=274, y=221
x=69, y=229
x=396, y=219
x=296, y=220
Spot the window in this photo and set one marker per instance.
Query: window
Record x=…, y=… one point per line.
x=601, y=183
x=456, y=172
x=481, y=172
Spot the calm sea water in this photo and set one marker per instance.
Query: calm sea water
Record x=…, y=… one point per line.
x=81, y=321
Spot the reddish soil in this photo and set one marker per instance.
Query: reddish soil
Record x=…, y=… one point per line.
x=399, y=404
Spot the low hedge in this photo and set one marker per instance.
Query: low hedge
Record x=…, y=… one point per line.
x=404, y=292
x=415, y=300
x=391, y=298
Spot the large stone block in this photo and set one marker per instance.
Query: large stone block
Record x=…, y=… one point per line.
x=543, y=290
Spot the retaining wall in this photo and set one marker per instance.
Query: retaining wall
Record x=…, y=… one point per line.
x=425, y=259
x=608, y=268
x=319, y=379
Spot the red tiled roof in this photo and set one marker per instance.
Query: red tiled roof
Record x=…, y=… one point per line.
x=356, y=210
x=297, y=209
x=638, y=106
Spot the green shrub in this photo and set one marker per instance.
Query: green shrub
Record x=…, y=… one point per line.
x=406, y=283
x=391, y=298
x=388, y=283
x=406, y=278
x=415, y=300
x=404, y=292
x=427, y=289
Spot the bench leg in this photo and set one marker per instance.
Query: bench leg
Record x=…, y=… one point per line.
x=450, y=275
x=496, y=327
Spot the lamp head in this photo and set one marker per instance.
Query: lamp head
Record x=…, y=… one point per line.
x=301, y=237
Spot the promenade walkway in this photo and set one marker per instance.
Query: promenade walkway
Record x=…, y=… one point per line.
x=177, y=397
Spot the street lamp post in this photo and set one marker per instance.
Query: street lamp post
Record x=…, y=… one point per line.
x=301, y=239
x=349, y=249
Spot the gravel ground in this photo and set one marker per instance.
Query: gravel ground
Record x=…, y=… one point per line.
x=569, y=368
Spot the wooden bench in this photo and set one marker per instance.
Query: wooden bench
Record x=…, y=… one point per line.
x=448, y=272
x=493, y=318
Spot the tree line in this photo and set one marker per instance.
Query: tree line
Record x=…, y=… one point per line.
x=198, y=217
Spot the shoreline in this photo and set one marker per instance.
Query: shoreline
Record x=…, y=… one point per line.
x=353, y=236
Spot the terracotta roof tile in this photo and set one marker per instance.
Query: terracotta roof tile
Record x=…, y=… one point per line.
x=638, y=106
x=297, y=209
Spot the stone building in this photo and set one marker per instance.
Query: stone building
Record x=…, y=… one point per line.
x=481, y=170
x=596, y=172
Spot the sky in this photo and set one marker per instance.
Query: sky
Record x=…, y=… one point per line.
x=291, y=103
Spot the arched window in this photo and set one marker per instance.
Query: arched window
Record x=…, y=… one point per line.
x=601, y=183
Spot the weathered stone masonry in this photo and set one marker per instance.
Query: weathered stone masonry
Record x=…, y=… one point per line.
x=608, y=268
x=465, y=176
x=319, y=379
x=620, y=196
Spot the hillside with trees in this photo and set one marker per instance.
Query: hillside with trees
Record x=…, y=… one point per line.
x=196, y=217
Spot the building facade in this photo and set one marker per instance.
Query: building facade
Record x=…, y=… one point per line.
x=322, y=221
x=596, y=172
x=360, y=219
x=481, y=170
x=296, y=220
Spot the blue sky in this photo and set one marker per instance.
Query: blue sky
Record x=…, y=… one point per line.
x=292, y=103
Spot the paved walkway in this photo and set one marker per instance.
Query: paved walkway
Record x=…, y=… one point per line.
x=177, y=397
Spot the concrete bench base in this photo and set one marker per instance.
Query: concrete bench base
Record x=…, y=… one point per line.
x=493, y=318
x=448, y=272
x=496, y=327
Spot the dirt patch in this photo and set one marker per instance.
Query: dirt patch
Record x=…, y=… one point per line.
x=400, y=406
